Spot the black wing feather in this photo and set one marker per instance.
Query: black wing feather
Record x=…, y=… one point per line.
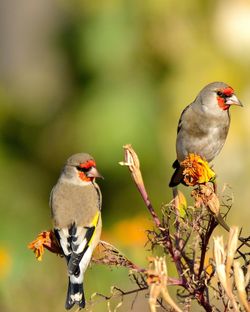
x=75, y=258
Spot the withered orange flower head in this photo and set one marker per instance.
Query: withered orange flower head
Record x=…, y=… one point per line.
x=196, y=170
x=46, y=240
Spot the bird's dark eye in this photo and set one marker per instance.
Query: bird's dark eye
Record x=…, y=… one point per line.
x=219, y=93
x=82, y=169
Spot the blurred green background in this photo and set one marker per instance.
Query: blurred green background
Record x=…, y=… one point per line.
x=92, y=76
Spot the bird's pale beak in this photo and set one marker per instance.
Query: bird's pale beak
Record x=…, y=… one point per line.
x=93, y=173
x=233, y=100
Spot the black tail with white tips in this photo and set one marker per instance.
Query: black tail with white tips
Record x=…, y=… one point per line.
x=75, y=295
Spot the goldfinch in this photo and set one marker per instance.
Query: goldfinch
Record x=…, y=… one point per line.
x=76, y=202
x=203, y=125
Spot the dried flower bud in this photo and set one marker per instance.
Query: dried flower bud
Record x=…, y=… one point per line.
x=223, y=260
x=240, y=284
x=132, y=161
x=231, y=247
x=157, y=277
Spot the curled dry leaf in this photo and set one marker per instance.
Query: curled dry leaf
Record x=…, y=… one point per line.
x=180, y=202
x=196, y=170
x=205, y=195
x=46, y=240
x=106, y=253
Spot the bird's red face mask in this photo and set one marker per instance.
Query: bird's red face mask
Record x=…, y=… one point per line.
x=226, y=98
x=87, y=171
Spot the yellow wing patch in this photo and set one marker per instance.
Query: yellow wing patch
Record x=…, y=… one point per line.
x=94, y=224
